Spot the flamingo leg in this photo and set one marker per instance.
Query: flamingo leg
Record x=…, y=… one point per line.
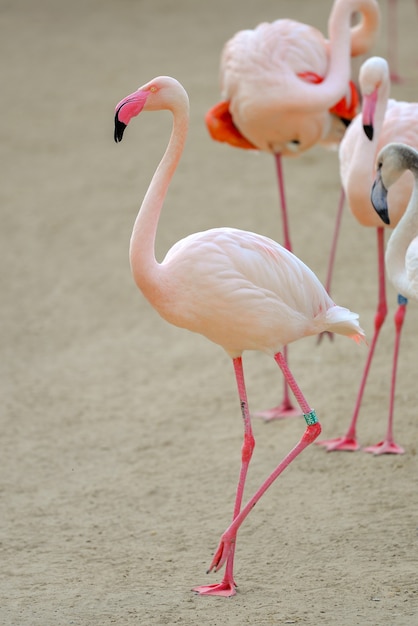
x=285, y=408
x=337, y=227
x=313, y=429
x=349, y=440
x=331, y=260
x=227, y=587
x=388, y=445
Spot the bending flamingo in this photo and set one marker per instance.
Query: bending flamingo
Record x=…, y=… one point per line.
x=285, y=88
x=381, y=122
x=241, y=290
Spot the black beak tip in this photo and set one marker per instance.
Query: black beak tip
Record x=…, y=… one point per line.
x=384, y=216
x=368, y=129
x=119, y=129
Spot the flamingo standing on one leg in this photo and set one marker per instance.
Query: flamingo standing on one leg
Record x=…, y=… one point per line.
x=286, y=88
x=383, y=121
x=241, y=290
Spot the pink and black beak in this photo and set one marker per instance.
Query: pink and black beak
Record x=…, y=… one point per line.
x=119, y=128
x=379, y=198
x=368, y=111
x=128, y=108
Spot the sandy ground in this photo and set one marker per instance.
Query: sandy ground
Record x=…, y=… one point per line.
x=121, y=435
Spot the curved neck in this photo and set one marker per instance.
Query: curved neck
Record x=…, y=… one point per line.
x=364, y=34
x=142, y=245
x=397, y=246
x=341, y=39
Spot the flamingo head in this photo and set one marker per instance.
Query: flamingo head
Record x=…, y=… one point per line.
x=128, y=108
x=392, y=161
x=158, y=94
x=374, y=82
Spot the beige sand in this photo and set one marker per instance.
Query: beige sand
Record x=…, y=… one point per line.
x=121, y=435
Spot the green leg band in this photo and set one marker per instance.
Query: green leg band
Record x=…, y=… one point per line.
x=310, y=418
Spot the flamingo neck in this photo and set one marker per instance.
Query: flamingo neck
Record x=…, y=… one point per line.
x=344, y=41
x=364, y=34
x=145, y=268
x=405, y=232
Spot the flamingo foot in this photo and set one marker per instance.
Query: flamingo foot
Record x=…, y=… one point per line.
x=348, y=444
x=226, y=588
x=282, y=411
x=385, y=447
x=321, y=335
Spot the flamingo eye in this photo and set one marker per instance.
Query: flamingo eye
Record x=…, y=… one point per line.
x=153, y=89
x=293, y=145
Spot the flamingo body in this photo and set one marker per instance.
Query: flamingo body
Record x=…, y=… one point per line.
x=281, y=80
x=252, y=293
x=241, y=290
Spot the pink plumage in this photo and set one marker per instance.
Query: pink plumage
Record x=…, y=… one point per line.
x=241, y=290
x=285, y=88
x=382, y=121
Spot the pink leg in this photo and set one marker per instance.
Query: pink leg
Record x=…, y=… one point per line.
x=335, y=240
x=349, y=440
x=388, y=445
x=331, y=260
x=227, y=586
x=285, y=408
x=283, y=204
x=228, y=539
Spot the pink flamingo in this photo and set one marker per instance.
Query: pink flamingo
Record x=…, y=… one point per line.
x=401, y=257
x=285, y=88
x=241, y=290
x=381, y=122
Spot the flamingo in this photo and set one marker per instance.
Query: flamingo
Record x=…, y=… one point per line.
x=241, y=290
x=285, y=88
x=382, y=121
x=401, y=257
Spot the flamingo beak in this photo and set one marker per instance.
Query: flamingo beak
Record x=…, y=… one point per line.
x=379, y=199
x=368, y=111
x=126, y=109
x=119, y=129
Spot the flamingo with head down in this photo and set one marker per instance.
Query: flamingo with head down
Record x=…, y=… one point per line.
x=286, y=88
x=382, y=121
x=241, y=290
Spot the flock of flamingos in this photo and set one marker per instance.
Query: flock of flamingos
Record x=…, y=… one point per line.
x=285, y=88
